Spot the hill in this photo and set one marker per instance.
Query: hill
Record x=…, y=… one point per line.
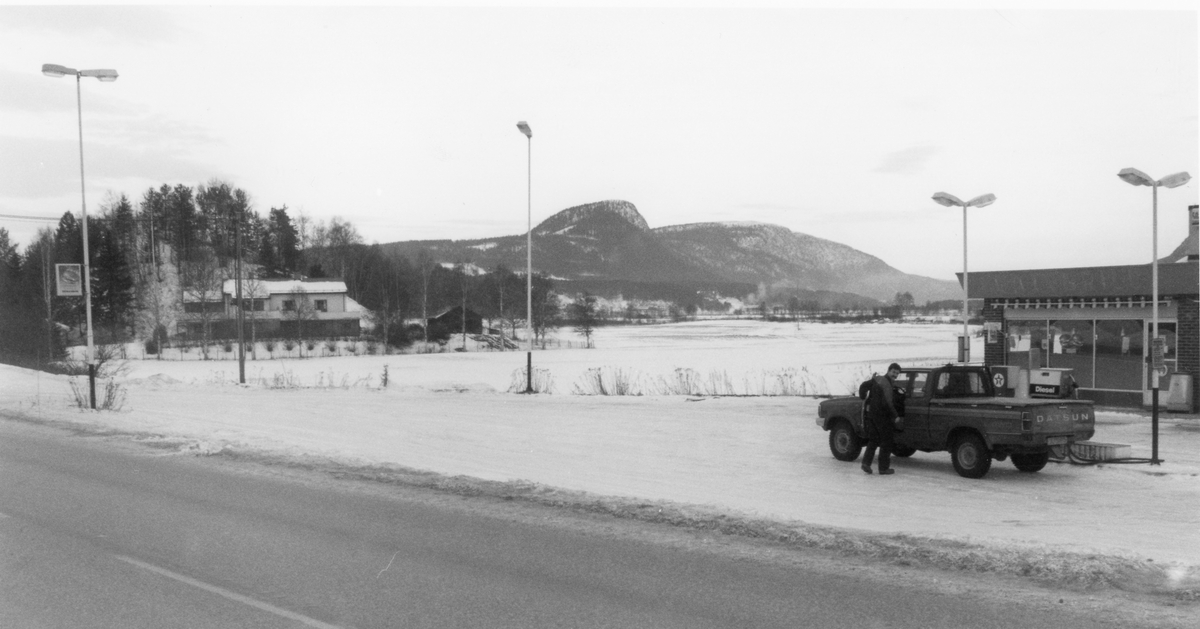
x=608, y=248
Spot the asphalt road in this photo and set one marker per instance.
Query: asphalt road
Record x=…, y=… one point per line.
x=99, y=534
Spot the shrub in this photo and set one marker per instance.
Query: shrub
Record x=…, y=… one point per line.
x=331, y=346
x=289, y=345
x=151, y=346
x=112, y=398
x=543, y=382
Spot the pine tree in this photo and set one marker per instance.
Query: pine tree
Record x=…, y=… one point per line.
x=112, y=285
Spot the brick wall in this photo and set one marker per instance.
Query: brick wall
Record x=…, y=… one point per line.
x=1188, y=341
x=993, y=353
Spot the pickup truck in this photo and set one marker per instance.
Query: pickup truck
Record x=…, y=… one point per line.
x=954, y=408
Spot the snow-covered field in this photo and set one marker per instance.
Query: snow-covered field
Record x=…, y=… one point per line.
x=759, y=456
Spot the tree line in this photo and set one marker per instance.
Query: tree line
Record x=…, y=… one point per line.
x=145, y=255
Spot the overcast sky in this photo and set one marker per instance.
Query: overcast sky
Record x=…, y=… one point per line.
x=839, y=123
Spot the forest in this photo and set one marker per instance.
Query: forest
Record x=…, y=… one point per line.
x=146, y=254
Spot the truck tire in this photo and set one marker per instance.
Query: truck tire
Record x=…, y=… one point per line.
x=844, y=442
x=1031, y=462
x=970, y=456
x=903, y=451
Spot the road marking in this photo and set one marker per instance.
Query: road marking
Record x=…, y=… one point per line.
x=233, y=596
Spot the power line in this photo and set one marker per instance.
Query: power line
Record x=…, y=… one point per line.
x=20, y=217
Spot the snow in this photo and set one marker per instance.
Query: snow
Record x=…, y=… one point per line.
x=758, y=456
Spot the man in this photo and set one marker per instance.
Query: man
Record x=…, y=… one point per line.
x=879, y=420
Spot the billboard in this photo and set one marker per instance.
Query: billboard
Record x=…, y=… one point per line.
x=70, y=280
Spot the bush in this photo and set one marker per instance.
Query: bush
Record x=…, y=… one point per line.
x=289, y=345
x=151, y=346
x=112, y=398
x=331, y=346
x=543, y=382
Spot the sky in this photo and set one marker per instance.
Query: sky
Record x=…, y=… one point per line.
x=839, y=121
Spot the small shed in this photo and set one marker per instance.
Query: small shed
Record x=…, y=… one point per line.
x=451, y=320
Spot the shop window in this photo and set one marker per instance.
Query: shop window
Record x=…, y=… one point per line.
x=1118, y=355
x=1027, y=343
x=1072, y=346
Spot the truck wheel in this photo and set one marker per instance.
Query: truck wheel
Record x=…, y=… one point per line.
x=970, y=456
x=903, y=451
x=1031, y=462
x=843, y=442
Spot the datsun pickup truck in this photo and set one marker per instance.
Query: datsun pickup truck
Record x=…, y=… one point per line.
x=954, y=408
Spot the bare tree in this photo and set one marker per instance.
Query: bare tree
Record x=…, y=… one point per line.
x=425, y=266
x=201, y=279
x=583, y=312
x=301, y=310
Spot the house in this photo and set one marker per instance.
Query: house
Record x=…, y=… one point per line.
x=273, y=308
x=451, y=320
x=1097, y=321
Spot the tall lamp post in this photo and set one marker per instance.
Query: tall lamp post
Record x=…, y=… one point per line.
x=524, y=127
x=949, y=200
x=57, y=71
x=1136, y=177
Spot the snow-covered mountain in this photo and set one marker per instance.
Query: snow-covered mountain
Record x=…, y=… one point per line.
x=610, y=242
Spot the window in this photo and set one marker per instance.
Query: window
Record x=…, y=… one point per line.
x=917, y=387
x=322, y=305
x=1102, y=353
x=289, y=305
x=1072, y=347
x=960, y=384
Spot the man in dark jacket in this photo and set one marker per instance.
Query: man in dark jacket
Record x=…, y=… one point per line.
x=879, y=420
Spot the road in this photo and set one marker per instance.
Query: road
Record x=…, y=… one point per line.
x=96, y=533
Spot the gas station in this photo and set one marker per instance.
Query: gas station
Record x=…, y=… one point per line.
x=1097, y=323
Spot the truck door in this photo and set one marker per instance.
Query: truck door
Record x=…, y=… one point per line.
x=916, y=408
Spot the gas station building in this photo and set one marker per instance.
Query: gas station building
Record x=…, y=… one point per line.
x=1097, y=322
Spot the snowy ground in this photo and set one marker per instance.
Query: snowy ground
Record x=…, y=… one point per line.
x=757, y=456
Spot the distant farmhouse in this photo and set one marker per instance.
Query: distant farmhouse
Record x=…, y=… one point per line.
x=273, y=308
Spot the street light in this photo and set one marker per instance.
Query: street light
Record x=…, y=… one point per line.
x=107, y=76
x=1136, y=177
x=524, y=128
x=949, y=200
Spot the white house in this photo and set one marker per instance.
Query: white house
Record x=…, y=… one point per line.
x=283, y=308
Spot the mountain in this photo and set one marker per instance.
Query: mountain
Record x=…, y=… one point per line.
x=608, y=247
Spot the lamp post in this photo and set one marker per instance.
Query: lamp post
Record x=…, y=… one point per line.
x=1136, y=177
x=949, y=200
x=107, y=76
x=524, y=128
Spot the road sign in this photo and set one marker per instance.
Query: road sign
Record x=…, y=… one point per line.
x=1158, y=352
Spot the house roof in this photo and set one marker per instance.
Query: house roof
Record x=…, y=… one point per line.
x=265, y=288
x=1103, y=281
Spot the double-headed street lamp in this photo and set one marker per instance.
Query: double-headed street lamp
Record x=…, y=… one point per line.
x=56, y=71
x=524, y=127
x=949, y=200
x=1136, y=177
